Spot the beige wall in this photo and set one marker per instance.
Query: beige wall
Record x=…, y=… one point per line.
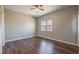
x=64, y=25
x=18, y=25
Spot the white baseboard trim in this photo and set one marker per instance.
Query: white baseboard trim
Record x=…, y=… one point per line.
x=59, y=40
x=19, y=38
x=44, y=37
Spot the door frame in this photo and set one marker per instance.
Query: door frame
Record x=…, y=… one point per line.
x=2, y=27
x=78, y=26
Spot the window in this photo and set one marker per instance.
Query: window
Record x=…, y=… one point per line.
x=49, y=25
x=46, y=25
x=43, y=25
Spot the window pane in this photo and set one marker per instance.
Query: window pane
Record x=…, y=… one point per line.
x=49, y=25
x=43, y=25
x=43, y=22
x=49, y=22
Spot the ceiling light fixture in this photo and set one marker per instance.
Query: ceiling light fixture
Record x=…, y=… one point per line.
x=37, y=8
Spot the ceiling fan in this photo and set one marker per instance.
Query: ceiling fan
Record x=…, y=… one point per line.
x=37, y=8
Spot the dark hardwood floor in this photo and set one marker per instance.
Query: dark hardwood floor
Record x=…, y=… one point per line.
x=38, y=45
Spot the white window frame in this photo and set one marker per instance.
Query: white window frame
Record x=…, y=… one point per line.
x=45, y=27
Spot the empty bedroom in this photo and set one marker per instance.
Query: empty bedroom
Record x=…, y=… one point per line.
x=40, y=29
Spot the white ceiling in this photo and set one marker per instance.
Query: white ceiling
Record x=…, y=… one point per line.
x=26, y=9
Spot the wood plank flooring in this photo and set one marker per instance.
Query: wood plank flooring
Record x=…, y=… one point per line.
x=38, y=45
